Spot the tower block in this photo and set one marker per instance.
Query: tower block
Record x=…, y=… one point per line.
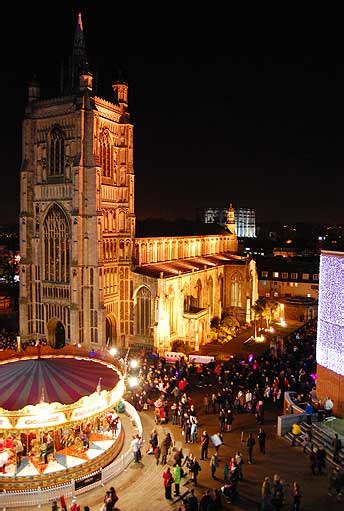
x=77, y=219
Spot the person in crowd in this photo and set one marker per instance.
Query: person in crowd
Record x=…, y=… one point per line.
x=261, y=440
x=296, y=495
x=337, y=447
x=328, y=407
x=250, y=443
x=214, y=463
x=135, y=446
x=168, y=481
x=177, y=475
x=296, y=432
x=204, y=445
x=266, y=494
x=192, y=501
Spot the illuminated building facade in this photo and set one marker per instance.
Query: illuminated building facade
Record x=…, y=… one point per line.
x=330, y=340
x=245, y=220
x=84, y=278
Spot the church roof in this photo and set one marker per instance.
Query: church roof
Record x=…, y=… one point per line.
x=168, y=269
x=157, y=227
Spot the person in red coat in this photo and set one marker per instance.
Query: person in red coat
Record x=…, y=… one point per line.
x=168, y=480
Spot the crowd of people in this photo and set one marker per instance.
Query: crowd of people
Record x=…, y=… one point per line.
x=237, y=387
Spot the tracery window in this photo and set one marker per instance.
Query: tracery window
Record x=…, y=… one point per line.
x=56, y=153
x=105, y=154
x=236, y=285
x=56, y=238
x=143, y=312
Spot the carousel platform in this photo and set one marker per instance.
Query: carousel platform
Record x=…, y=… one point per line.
x=60, y=407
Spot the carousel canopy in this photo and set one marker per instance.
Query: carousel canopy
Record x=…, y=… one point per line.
x=62, y=380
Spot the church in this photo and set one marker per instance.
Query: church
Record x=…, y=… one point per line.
x=85, y=278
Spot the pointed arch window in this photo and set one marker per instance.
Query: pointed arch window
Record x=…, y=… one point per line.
x=198, y=294
x=172, y=314
x=236, y=288
x=143, y=312
x=105, y=154
x=56, y=153
x=56, y=240
x=211, y=296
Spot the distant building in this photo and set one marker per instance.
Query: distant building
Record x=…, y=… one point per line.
x=245, y=219
x=286, y=277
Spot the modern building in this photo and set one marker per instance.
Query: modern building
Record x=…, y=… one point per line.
x=293, y=282
x=245, y=219
x=84, y=276
x=330, y=337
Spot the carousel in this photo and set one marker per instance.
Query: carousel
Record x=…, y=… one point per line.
x=58, y=415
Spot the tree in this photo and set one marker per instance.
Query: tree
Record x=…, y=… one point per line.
x=224, y=329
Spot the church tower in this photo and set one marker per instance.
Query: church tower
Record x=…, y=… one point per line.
x=77, y=219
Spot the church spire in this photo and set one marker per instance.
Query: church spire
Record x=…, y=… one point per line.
x=79, y=57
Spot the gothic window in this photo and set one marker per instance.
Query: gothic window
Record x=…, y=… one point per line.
x=198, y=294
x=143, y=312
x=172, y=314
x=56, y=240
x=105, y=154
x=56, y=153
x=211, y=296
x=236, y=285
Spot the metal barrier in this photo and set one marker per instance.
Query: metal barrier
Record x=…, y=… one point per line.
x=27, y=498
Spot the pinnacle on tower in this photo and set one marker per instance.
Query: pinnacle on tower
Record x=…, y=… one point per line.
x=79, y=63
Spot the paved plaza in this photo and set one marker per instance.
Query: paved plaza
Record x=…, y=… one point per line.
x=140, y=486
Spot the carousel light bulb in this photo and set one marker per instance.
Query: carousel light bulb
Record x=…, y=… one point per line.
x=133, y=381
x=113, y=352
x=134, y=364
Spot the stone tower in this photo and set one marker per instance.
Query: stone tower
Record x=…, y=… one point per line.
x=77, y=219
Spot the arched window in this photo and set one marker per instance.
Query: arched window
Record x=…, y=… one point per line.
x=198, y=294
x=172, y=314
x=56, y=238
x=56, y=153
x=210, y=295
x=220, y=282
x=143, y=312
x=105, y=154
x=236, y=285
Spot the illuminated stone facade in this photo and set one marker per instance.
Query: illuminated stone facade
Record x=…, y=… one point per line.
x=83, y=276
x=330, y=340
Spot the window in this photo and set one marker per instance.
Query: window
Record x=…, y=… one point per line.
x=56, y=238
x=265, y=274
x=305, y=276
x=308, y=295
x=105, y=154
x=143, y=312
x=284, y=275
x=56, y=153
x=315, y=286
x=211, y=296
x=315, y=276
x=294, y=276
x=275, y=274
x=172, y=311
x=236, y=284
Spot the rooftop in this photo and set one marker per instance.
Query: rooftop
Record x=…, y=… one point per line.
x=182, y=266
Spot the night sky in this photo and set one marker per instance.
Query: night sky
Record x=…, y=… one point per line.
x=261, y=126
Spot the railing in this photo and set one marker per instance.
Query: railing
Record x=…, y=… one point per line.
x=41, y=496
